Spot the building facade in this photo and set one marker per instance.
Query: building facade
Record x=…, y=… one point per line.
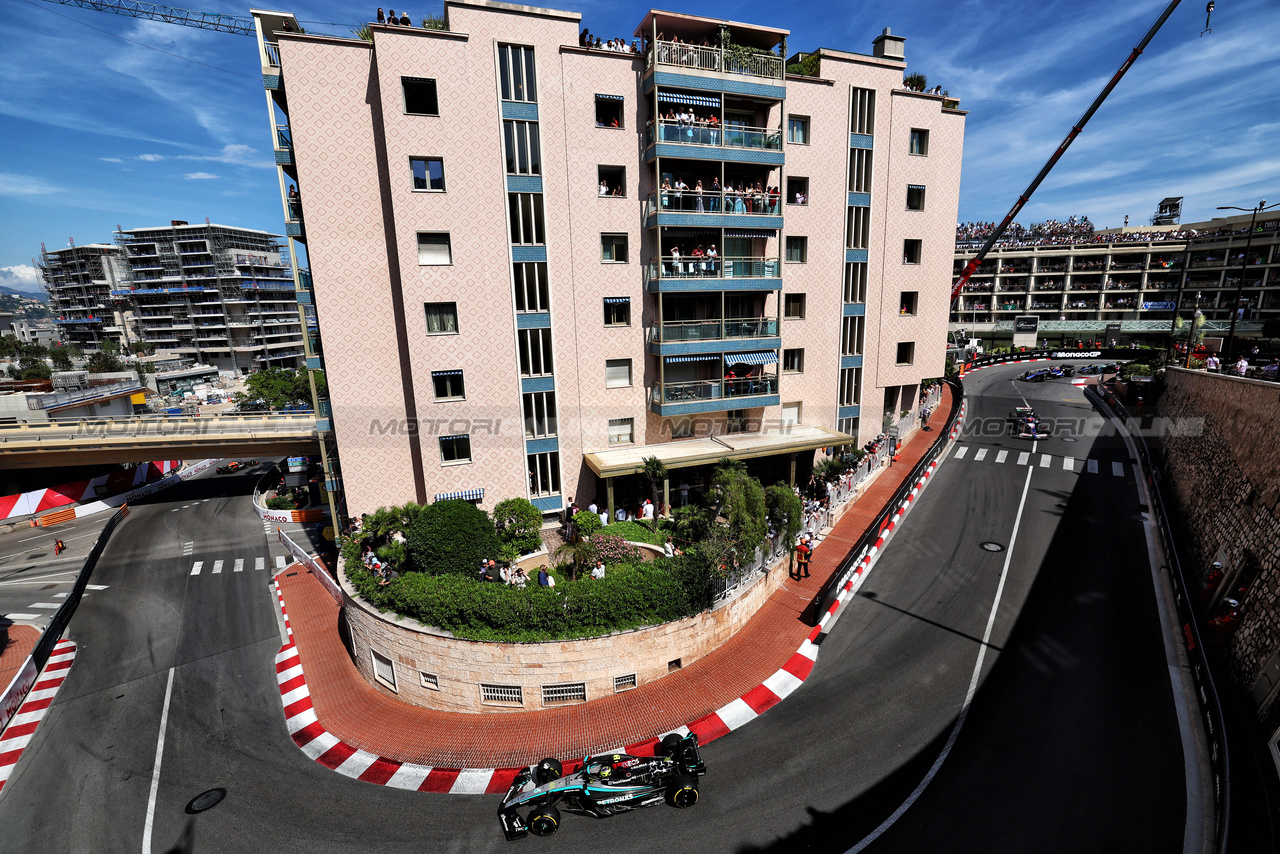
x=532, y=276
x=79, y=281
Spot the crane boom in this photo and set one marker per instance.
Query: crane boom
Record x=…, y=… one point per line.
x=168, y=14
x=1066, y=143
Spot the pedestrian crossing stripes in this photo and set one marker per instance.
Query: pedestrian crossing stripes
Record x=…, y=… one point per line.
x=1023, y=457
x=217, y=566
x=980, y=456
x=1069, y=463
x=239, y=565
x=1046, y=461
x=188, y=548
x=961, y=451
x=1002, y=456
x=1117, y=469
x=1093, y=466
x=196, y=567
x=280, y=562
x=259, y=563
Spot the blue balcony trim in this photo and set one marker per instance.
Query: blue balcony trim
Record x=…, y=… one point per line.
x=520, y=254
x=736, y=345
x=520, y=110
x=724, y=405
x=533, y=321
x=293, y=229
x=314, y=363
x=851, y=361
x=855, y=309
x=524, y=183
x=764, y=156
x=271, y=81
x=284, y=157
x=546, y=505
x=304, y=297
x=854, y=256
x=848, y=411
x=732, y=84
x=323, y=425
x=694, y=285
x=532, y=384
x=859, y=200
x=713, y=220
x=861, y=140
x=541, y=446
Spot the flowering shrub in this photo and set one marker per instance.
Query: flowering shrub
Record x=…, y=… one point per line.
x=613, y=550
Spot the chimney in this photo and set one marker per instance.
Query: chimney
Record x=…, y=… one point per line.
x=888, y=46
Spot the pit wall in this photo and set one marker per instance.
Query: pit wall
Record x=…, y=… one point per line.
x=1226, y=481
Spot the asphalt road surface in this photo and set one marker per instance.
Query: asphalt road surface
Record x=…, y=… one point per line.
x=1070, y=740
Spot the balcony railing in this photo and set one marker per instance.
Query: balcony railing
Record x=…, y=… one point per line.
x=769, y=139
x=272, y=51
x=714, y=59
x=713, y=330
x=283, y=137
x=689, y=267
x=748, y=202
x=715, y=389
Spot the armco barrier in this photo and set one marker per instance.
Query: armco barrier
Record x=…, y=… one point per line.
x=1201, y=675
x=871, y=542
x=1105, y=354
x=17, y=689
x=312, y=563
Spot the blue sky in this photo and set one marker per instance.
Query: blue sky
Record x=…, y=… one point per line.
x=99, y=131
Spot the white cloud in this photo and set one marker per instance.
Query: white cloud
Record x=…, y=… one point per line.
x=233, y=154
x=111, y=159
x=151, y=158
x=201, y=176
x=21, y=276
x=24, y=185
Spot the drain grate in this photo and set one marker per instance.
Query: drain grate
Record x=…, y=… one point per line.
x=205, y=800
x=991, y=547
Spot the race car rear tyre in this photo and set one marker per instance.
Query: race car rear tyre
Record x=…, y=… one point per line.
x=544, y=821
x=682, y=792
x=547, y=770
x=669, y=745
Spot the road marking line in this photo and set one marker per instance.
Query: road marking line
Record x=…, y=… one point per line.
x=1117, y=469
x=155, y=776
x=961, y=451
x=1093, y=466
x=259, y=563
x=60, y=595
x=19, y=616
x=196, y=567
x=1045, y=461
x=217, y=566
x=48, y=606
x=239, y=565
x=980, y=456
x=1069, y=463
x=280, y=563
x=95, y=586
x=1023, y=457
x=1001, y=456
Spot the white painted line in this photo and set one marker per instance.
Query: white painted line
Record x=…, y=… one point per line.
x=409, y=777
x=961, y=451
x=280, y=562
x=319, y=746
x=295, y=695
x=1001, y=456
x=18, y=616
x=217, y=566
x=980, y=456
x=782, y=683
x=359, y=762
x=736, y=713
x=48, y=606
x=155, y=775
x=259, y=563
x=1045, y=461
x=95, y=586
x=1069, y=463
x=1023, y=457
x=471, y=781
x=239, y=565
x=302, y=720
x=61, y=595
x=196, y=567
x=1093, y=466
x=1117, y=469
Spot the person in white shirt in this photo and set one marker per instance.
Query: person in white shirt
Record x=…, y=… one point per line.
x=592, y=507
x=598, y=572
x=648, y=509
x=604, y=188
x=604, y=517
x=1242, y=366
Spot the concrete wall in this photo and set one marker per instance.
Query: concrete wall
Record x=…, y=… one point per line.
x=1226, y=482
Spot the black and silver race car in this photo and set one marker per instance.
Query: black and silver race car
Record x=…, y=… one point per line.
x=605, y=785
x=1025, y=424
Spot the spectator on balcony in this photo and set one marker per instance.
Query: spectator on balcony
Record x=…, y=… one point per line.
x=680, y=187
x=382, y=19
x=584, y=38
x=697, y=191
x=675, y=261
x=716, y=192
x=714, y=124
x=711, y=261
x=295, y=202
x=404, y=20
x=392, y=20
x=695, y=266
x=666, y=193
x=604, y=187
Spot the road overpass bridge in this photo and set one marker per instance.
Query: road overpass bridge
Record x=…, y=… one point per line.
x=122, y=439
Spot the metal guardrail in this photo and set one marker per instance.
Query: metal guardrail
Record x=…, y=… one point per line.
x=175, y=425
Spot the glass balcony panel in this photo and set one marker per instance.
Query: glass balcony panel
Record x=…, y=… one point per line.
x=691, y=267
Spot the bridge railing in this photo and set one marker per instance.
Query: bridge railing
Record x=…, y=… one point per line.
x=34, y=431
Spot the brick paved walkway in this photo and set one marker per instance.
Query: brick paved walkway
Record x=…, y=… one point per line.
x=16, y=643
x=366, y=718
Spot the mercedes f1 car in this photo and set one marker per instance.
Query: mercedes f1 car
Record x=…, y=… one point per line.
x=1026, y=424
x=605, y=785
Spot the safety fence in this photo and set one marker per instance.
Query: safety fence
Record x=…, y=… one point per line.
x=313, y=563
x=21, y=683
x=1184, y=596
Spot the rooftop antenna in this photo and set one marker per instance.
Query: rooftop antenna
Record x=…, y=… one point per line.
x=71, y=241
x=1208, y=13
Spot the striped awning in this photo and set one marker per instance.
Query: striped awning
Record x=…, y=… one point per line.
x=692, y=100
x=766, y=358
x=690, y=232
x=706, y=357
x=457, y=436
x=463, y=495
x=750, y=232
x=617, y=299
x=609, y=97
x=446, y=373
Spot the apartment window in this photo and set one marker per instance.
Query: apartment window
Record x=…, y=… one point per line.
x=617, y=373
x=863, y=112
x=906, y=352
x=420, y=96
x=857, y=232
x=442, y=318
x=915, y=197
x=617, y=311
x=791, y=412
x=793, y=307
x=455, y=449
x=848, y=426
x=522, y=147
x=434, y=249
x=535, y=352
x=855, y=281
x=910, y=251
x=539, y=414
x=798, y=249
x=383, y=669
x=793, y=361
x=798, y=130
x=622, y=431
x=613, y=248
x=850, y=393
x=609, y=111
x=860, y=170
x=448, y=385
x=611, y=181
x=428, y=173
x=907, y=302
x=735, y=421
x=531, y=286
x=797, y=191
x=851, y=336
x=527, y=226
x=516, y=76
x=544, y=473
x=919, y=142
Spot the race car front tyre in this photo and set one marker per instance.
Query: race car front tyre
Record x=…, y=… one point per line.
x=547, y=770
x=544, y=821
x=682, y=792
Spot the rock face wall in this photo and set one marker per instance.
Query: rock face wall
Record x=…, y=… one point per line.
x=1225, y=480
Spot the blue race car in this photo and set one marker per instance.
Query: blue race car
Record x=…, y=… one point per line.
x=1038, y=375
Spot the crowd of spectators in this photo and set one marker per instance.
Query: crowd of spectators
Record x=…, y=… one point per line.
x=585, y=39
x=1075, y=230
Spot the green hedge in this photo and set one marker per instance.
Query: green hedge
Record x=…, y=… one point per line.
x=634, y=532
x=450, y=538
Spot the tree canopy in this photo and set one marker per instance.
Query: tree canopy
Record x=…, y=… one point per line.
x=278, y=388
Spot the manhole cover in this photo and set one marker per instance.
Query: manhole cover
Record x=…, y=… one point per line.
x=206, y=800
x=1070, y=439
x=991, y=547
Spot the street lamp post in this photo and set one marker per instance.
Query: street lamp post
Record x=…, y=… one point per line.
x=1244, y=266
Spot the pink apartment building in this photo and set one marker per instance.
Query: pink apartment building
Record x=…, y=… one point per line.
x=534, y=264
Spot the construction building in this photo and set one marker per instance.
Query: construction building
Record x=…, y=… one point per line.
x=79, y=281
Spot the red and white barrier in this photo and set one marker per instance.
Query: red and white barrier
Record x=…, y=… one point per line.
x=21, y=728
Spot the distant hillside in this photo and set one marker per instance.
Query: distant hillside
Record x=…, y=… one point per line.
x=14, y=292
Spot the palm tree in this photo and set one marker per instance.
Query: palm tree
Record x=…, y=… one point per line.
x=579, y=553
x=656, y=473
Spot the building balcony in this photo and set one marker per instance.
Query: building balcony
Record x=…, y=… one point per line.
x=702, y=142
x=687, y=398
x=688, y=274
x=733, y=334
x=678, y=56
x=713, y=210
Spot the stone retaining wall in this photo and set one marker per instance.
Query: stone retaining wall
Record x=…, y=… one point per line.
x=1225, y=480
